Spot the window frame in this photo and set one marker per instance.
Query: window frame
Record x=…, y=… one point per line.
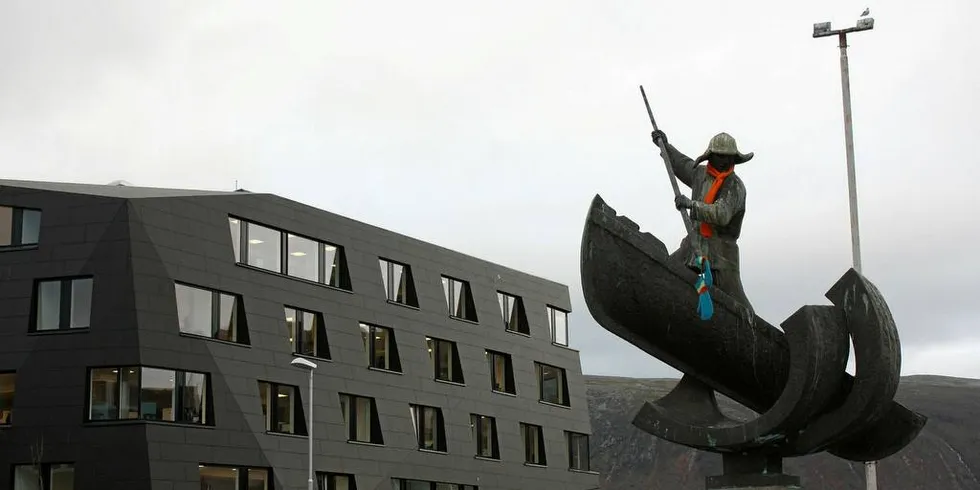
x=387, y=267
x=45, y=475
x=348, y=401
x=563, y=400
x=240, y=317
x=510, y=384
x=453, y=303
x=435, y=347
x=243, y=483
x=6, y=421
x=326, y=480
x=478, y=432
x=569, y=443
x=402, y=484
x=392, y=358
x=271, y=415
x=17, y=228
x=321, y=341
x=552, y=314
x=539, y=443
x=338, y=267
x=207, y=410
x=419, y=416
x=66, y=287
x=517, y=310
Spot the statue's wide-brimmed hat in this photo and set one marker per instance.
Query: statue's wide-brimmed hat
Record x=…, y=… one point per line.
x=724, y=144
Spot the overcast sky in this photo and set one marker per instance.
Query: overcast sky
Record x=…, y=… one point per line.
x=487, y=127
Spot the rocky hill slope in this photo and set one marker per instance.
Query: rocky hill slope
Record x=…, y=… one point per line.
x=946, y=455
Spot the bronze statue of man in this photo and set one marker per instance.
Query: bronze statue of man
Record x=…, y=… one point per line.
x=716, y=205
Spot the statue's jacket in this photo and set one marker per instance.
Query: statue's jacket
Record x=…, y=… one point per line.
x=724, y=215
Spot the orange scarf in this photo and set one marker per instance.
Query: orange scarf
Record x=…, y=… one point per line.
x=713, y=193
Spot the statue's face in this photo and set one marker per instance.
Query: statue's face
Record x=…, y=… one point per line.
x=722, y=162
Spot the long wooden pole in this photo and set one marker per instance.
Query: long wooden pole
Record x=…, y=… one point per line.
x=670, y=169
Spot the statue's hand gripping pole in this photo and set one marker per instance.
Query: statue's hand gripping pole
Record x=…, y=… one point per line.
x=670, y=169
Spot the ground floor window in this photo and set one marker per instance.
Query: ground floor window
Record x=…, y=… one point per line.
x=44, y=476
x=217, y=477
x=406, y=484
x=335, y=481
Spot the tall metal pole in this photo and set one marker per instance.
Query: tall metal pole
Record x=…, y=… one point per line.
x=845, y=83
x=310, y=430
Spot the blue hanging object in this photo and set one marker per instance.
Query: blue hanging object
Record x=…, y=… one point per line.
x=705, y=307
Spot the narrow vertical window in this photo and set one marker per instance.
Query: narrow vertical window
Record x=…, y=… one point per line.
x=552, y=385
x=459, y=298
x=7, y=385
x=398, y=283
x=380, y=347
x=578, y=451
x=485, y=436
x=501, y=373
x=62, y=304
x=445, y=360
x=307, y=333
x=558, y=323
x=533, y=440
x=512, y=310
x=360, y=414
x=282, y=408
x=430, y=429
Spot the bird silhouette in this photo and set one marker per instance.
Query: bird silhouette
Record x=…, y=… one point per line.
x=866, y=12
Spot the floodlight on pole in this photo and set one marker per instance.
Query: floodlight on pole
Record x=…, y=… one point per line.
x=823, y=29
x=303, y=363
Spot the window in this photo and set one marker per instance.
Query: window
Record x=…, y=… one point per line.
x=336, y=481
x=512, y=309
x=380, y=347
x=398, y=283
x=533, y=439
x=307, y=333
x=7, y=397
x=552, y=385
x=282, y=408
x=361, y=417
x=215, y=477
x=459, y=298
x=286, y=253
x=430, y=431
x=445, y=360
x=485, y=435
x=61, y=304
x=578, y=451
x=148, y=393
x=44, y=476
x=212, y=314
x=501, y=372
x=19, y=227
x=405, y=484
x=558, y=323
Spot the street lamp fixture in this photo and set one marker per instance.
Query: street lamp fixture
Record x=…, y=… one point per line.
x=303, y=363
x=823, y=29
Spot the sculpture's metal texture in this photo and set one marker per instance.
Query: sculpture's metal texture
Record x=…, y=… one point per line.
x=795, y=380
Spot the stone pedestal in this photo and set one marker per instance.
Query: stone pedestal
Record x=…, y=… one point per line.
x=752, y=472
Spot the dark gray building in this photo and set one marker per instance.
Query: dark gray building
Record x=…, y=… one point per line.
x=147, y=335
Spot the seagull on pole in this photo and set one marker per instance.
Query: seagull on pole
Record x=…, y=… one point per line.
x=866, y=12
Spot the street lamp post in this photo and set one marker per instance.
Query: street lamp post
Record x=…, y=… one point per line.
x=310, y=366
x=823, y=30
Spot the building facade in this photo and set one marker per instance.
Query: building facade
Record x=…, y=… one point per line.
x=148, y=339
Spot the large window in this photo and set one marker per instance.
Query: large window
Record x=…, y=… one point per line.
x=430, y=428
x=398, y=283
x=62, y=304
x=485, y=436
x=307, y=333
x=19, y=227
x=209, y=313
x=445, y=360
x=361, y=418
x=282, y=408
x=149, y=393
x=578, y=451
x=215, y=477
x=459, y=298
x=512, y=309
x=406, y=484
x=336, y=481
x=44, y=476
x=533, y=439
x=286, y=253
x=501, y=372
x=7, y=385
x=558, y=323
x=552, y=385
x=380, y=347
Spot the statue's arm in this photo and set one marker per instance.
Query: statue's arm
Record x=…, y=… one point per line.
x=682, y=164
x=723, y=209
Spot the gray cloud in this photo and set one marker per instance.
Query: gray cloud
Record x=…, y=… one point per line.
x=487, y=128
